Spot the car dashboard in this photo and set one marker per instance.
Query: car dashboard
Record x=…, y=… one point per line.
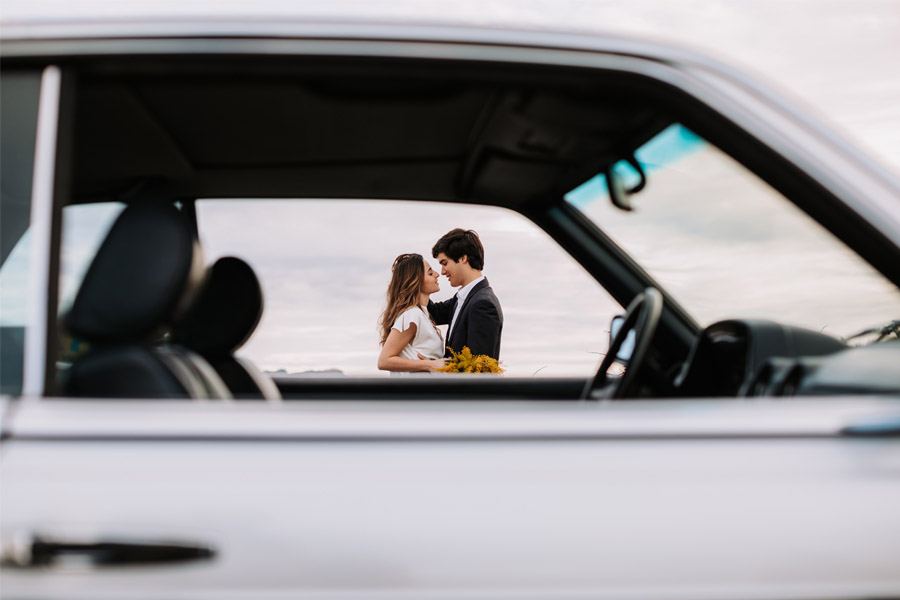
x=746, y=357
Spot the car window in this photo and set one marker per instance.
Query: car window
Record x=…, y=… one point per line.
x=325, y=266
x=725, y=244
x=19, y=91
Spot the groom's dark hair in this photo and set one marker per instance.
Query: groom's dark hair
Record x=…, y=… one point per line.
x=457, y=243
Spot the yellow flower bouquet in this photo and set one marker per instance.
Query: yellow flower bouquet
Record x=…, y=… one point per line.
x=466, y=362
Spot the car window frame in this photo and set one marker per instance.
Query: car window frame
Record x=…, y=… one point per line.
x=712, y=113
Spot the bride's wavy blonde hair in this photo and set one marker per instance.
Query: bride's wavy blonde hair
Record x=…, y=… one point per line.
x=407, y=277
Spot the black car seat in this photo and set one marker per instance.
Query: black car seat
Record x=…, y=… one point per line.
x=221, y=320
x=145, y=274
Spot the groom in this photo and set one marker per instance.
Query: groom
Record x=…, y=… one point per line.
x=474, y=312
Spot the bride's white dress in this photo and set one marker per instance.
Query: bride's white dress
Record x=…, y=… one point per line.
x=427, y=342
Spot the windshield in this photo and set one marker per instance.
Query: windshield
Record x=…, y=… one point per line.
x=727, y=245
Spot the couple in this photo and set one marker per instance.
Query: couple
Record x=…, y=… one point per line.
x=410, y=338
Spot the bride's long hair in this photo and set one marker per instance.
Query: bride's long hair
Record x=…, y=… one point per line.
x=407, y=277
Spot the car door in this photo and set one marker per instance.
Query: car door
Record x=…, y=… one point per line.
x=726, y=499
x=689, y=499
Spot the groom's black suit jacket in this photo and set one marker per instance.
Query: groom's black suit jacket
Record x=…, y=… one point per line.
x=479, y=324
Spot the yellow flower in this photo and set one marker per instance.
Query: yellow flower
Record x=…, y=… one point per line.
x=465, y=362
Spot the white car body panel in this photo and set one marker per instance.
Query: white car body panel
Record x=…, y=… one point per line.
x=688, y=500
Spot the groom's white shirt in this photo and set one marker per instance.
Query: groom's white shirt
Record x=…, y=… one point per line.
x=460, y=300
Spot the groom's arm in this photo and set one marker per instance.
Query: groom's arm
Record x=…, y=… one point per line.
x=442, y=312
x=485, y=325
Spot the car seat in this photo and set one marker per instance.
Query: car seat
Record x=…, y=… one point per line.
x=145, y=274
x=224, y=317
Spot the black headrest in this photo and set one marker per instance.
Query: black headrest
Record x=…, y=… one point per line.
x=226, y=312
x=144, y=274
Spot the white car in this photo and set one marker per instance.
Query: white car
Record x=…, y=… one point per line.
x=729, y=456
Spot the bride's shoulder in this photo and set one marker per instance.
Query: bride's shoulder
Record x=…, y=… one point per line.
x=413, y=314
x=411, y=311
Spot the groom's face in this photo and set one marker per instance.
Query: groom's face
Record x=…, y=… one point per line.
x=451, y=269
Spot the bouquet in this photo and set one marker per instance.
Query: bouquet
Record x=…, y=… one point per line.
x=466, y=362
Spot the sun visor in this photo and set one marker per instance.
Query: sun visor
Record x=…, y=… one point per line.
x=514, y=180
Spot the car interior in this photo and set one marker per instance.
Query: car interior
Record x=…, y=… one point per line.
x=159, y=134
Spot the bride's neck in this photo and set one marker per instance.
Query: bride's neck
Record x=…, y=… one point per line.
x=423, y=299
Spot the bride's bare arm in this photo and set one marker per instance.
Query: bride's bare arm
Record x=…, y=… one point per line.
x=390, y=359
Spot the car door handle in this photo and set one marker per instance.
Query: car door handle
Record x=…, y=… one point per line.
x=38, y=551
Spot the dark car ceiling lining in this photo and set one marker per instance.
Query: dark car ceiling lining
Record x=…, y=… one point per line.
x=398, y=132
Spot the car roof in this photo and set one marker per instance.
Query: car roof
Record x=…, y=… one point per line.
x=55, y=21
x=22, y=20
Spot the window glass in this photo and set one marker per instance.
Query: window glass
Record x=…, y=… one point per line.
x=727, y=245
x=325, y=267
x=14, y=283
x=19, y=93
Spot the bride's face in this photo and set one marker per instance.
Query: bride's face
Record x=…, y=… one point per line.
x=430, y=283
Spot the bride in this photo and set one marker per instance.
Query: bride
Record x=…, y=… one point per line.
x=410, y=341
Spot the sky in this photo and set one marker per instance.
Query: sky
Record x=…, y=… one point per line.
x=838, y=59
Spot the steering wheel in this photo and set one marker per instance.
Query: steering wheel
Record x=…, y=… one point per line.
x=642, y=317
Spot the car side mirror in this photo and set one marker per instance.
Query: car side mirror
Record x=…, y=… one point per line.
x=627, y=347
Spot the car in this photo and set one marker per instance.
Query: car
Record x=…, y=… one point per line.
x=744, y=446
